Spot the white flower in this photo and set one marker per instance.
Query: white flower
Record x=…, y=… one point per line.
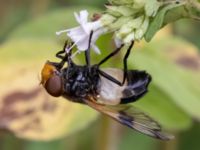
x=80, y=35
x=118, y=41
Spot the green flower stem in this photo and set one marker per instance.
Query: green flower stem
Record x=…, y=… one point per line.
x=108, y=135
x=170, y=145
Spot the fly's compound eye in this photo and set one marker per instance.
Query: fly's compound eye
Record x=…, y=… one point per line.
x=54, y=86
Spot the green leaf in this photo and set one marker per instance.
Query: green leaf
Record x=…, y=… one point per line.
x=160, y=107
x=190, y=140
x=52, y=145
x=138, y=140
x=193, y=8
x=157, y=22
x=173, y=72
x=175, y=14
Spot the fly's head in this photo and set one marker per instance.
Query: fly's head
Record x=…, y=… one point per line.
x=51, y=79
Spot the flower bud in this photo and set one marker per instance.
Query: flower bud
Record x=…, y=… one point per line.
x=130, y=37
x=107, y=19
x=119, y=23
x=130, y=26
x=151, y=7
x=139, y=33
x=121, y=10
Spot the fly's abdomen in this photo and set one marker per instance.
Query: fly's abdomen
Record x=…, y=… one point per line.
x=137, y=86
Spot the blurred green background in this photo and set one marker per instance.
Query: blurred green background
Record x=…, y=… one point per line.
x=32, y=120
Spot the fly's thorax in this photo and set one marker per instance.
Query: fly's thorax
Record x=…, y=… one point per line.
x=80, y=81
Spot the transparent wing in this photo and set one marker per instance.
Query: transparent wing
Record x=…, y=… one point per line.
x=131, y=117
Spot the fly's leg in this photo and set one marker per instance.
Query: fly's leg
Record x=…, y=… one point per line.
x=104, y=60
x=64, y=58
x=110, y=55
x=59, y=54
x=87, y=52
x=124, y=63
x=109, y=77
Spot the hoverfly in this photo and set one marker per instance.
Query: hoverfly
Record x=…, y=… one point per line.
x=101, y=89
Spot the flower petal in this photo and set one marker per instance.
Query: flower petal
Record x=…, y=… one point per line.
x=77, y=17
x=80, y=35
x=82, y=44
x=130, y=37
x=118, y=42
x=91, y=26
x=97, y=33
x=83, y=16
x=76, y=32
x=96, y=49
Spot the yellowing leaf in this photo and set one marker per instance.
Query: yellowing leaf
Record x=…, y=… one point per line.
x=25, y=108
